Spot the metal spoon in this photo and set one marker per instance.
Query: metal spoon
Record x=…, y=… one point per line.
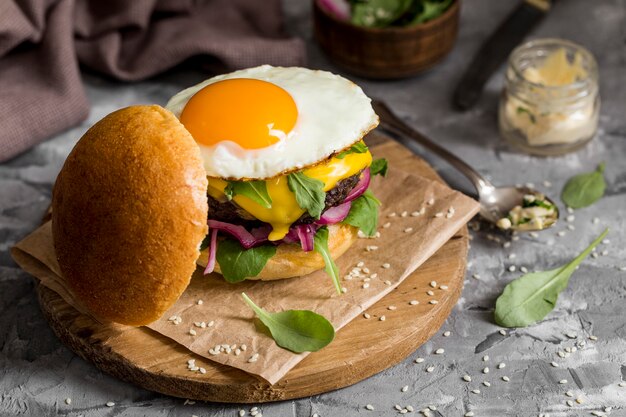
x=495, y=202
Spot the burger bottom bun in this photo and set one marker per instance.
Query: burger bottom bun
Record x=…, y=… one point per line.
x=291, y=261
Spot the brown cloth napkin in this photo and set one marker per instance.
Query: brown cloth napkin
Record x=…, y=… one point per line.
x=42, y=43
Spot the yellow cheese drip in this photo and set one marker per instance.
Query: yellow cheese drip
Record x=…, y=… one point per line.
x=557, y=70
x=285, y=209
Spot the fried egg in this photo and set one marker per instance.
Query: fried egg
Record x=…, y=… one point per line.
x=261, y=122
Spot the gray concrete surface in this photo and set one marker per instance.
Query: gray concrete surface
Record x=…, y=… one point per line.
x=37, y=373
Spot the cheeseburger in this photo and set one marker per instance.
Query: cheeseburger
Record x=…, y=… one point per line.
x=257, y=174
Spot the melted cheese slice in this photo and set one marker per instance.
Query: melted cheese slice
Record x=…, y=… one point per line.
x=285, y=209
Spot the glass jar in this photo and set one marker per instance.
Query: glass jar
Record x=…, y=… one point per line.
x=550, y=101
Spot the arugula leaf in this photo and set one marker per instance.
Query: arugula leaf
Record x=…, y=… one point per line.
x=358, y=147
x=379, y=166
x=364, y=213
x=309, y=193
x=584, y=189
x=531, y=297
x=237, y=263
x=320, y=245
x=429, y=10
x=254, y=190
x=522, y=110
x=295, y=330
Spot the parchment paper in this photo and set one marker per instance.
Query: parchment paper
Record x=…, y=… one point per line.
x=404, y=245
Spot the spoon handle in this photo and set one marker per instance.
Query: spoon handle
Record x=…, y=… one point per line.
x=389, y=121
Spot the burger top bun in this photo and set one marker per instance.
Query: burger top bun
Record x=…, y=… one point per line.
x=129, y=211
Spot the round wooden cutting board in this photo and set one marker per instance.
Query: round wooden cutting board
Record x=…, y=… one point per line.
x=360, y=350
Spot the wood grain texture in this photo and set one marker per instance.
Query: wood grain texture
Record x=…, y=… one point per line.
x=362, y=348
x=386, y=53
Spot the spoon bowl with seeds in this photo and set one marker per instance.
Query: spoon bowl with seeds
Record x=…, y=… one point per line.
x=510, y=208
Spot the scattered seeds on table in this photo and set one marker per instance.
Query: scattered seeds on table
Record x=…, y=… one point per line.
x=433, y=302
x=110, y=404
x=563, y=381
x=446, y=333
x=476, y=391
x=369, y=407
x=469, y=414
x=512, y=268
x=419, y=360
x=382, y=318
x=414, y=302
x=439, y=351
x=485, y=358
x=506, y=378
x=68, y=401
x=366, y=315
x=476, y=276
x=445, y=287
x=501, y=365
x=554, y=364
x=503, y=332
x=486, y=370
x=405, y=388
x=486, y=383
x=569, y=393
x=430, y=369
x=467, y=378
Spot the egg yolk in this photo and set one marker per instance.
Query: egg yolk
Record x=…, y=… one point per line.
x=252, y=113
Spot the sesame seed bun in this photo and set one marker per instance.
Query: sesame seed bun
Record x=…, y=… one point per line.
x=129, y=211
x=291, y=261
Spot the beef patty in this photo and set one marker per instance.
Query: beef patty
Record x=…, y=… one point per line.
x=230, y=212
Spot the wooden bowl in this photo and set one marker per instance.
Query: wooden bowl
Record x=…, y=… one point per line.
x=387, y=53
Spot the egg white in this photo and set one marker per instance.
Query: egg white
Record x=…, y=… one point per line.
x=333, y=113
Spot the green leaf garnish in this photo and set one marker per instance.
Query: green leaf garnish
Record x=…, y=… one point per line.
x=379, y=166
x=309, y=193
x=254, y=190
x=378, y=13
x=522, y=110
x=237, y=263
x=295, y=330
x=531, y=297
x=358, y=147
x=364, y=213
x=585, y=189
x=320, y=245
x=430, y=9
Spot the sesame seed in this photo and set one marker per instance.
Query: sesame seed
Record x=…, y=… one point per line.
x=211, y=323
x=439, y=351
x=408, y=230
x=419, y=360
x=469, y=414
x=570, y=210
x=202, y=370
x=410, y=408
x=430, y=201
x=386, y=225
x=404, y=411
x=501, y=365
x=571, y=227
x=486, y=370
x=569, y=403
x=467, y=378
x=366, y=270
x=485, y=358
x=414, y=302
x=110, y=404
x=476, y=276
x=503, y=332
x=506, y=378
x=571, y=335
x=397, y=407
x=429, y=292
x=192, y=332
x=506, y=245
x=433, y=302
x=594, y=255
x=563, y=381
x=486, y=383
x=370, y=248
x=476, y=391
x=199, y=302
x=597, y=413
x=382, y=318
x=369, y=407
x=606, y=241
x=374, y=275
x=415, y=214
x=622, y=384
x=443, y=287
x=569, y=393
x=404, y=213
x=387, y=282
x=561, y=354
x=570, y=218
x=386, y=265
x=392, y=308
x=432, y=408
x=561, y=233
x=433, y=284
x=579, y=400
x=242, y=413
x=344, y=290
x=243, y=348
x=446, y=333
x=392, y=214
x=68, y=401
x=512, y=256
x=366, y=285
x=512, y=268
x=523, y=269
x=430, y=369
x=438, y=214
x=253, y=358
x=405, y=388
x=534, y=234
x=554, y=364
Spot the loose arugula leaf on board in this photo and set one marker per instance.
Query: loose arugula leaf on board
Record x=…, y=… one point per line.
x=585, y=189
x=295, y=330
x=309, y=193
x=320, y=245
x=378, y=13
x=358, y=147
x=364, y=213
x=531, y=297
x=237, y=263
x=254, y=190
x=379, y=166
